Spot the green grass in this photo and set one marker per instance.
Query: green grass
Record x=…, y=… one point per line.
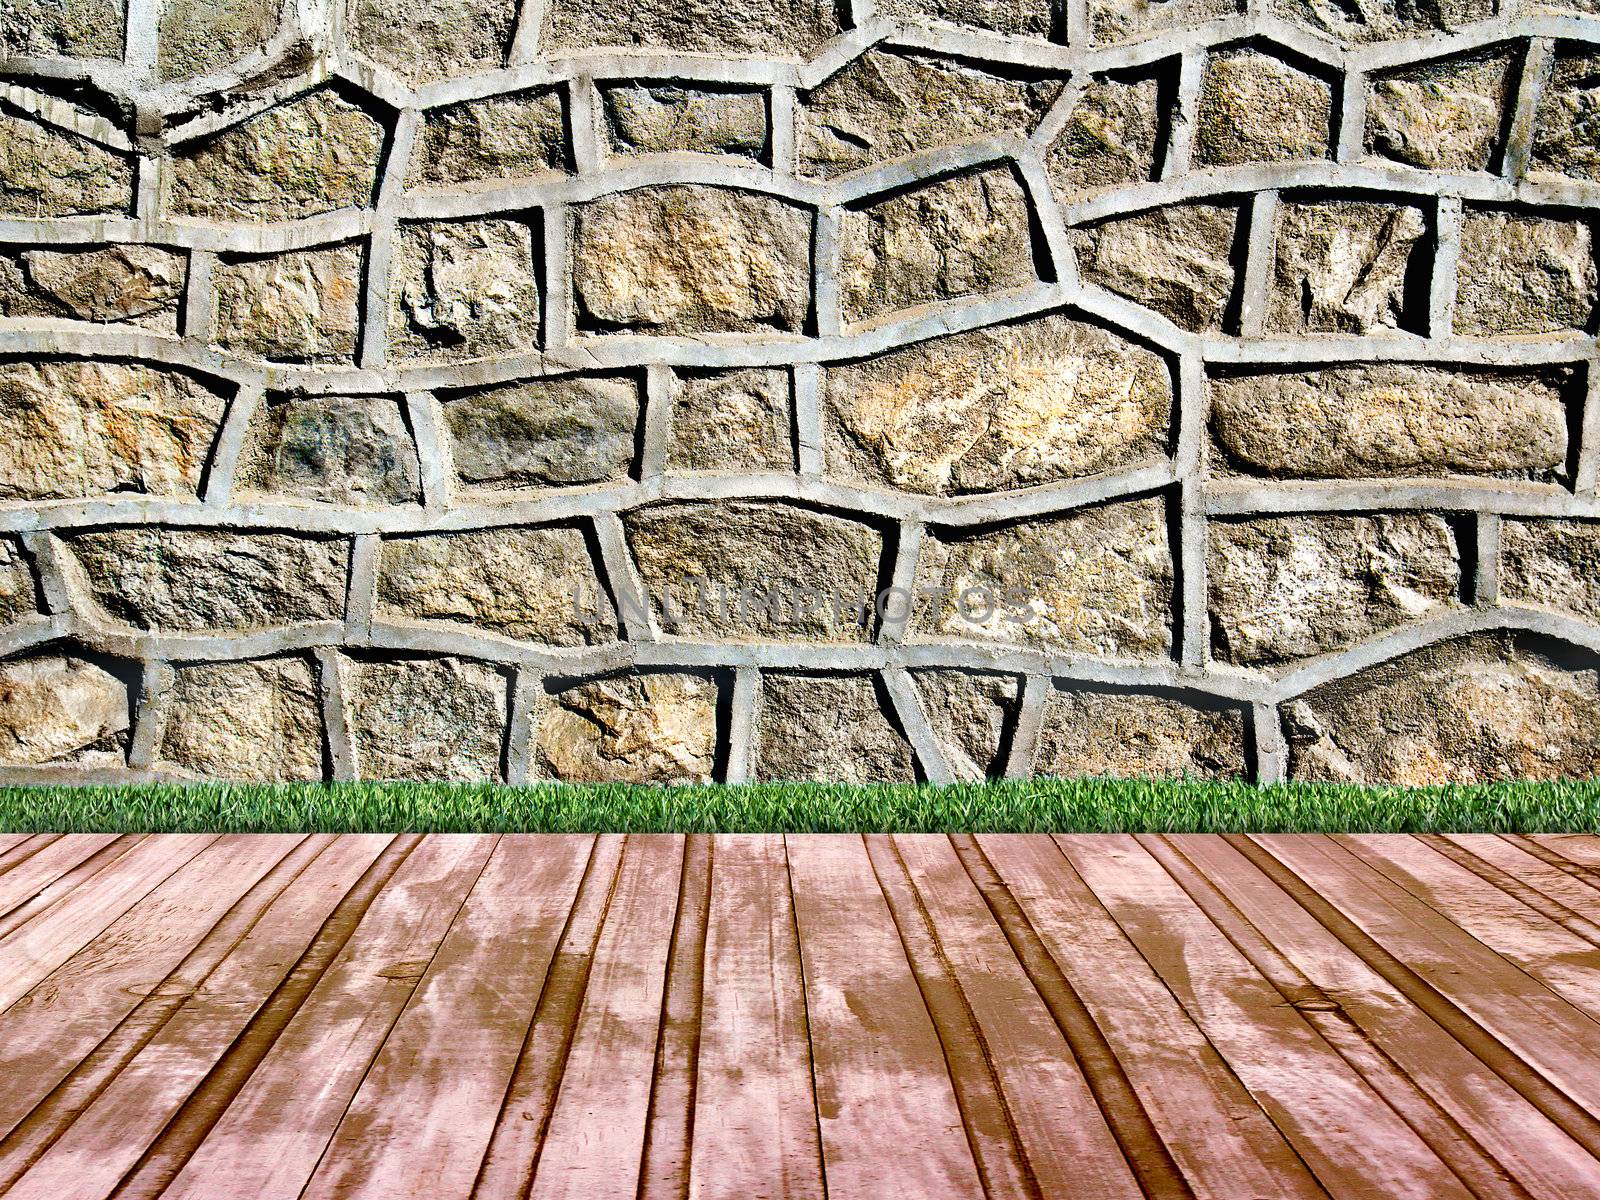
x=1089, y=805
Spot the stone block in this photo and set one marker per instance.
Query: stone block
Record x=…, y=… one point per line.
x=56, y=709
x=1177, y=261
x=731, y=421
x=783, y=28
x=1551, y=564
x=464, y=290
x=46, y=172
x=828, y=728
x=258, y=721
x=1524, y=274
x=135, y=285
x=19, y=597
x=545, y=432
x=427, y=719
x=1257, y=108
x=1112, y=137
x=1139, y=735
x=301, y=306
x=1566, y=130
x=422, y=41
x=649, y=118
x=485, y=143
x=195, y=37
x=1347, y=267
x=971, y=716
x=350, y=450
x=1442, y=116
x=652, y=728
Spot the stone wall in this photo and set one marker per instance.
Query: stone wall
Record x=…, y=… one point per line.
x=781, y=388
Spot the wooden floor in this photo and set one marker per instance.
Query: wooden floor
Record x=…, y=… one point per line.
x=746, y=1017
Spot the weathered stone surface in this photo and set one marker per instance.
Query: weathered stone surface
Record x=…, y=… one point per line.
x=1176, y=260
x=18, y=596
x=692, y=259
x=139, y=285
x=828, y=728
x=353, y=450
x=70, y=429
x=1288, y=587
x=970, y=716
x=1523, y=274
x=258, y=720
x=47, y=172
x=423, y=41
x=884, y=105
x=1344, y=267
x=1255, y=108
x=1098, y=581
x=731, y=421
x=1551, y=564
x=58, y=709
x=51, y=28
x=756, y=572
x=303, y=306
x=313, y=155
x=185, y=580
x=536, y=585
x=1026, y=18
x=648, y=728
x=1381, y=20
x=491, y=141
x=1392, y=419
x=959, y=237
x=427, y=719
x=464, y=290
x=575, y=429
x=662, y=118
x=1476, y=710
x=785, y=28
x=197, y=36
x=1006, y=407
x=1566, y=131
x=1444, y=116
x=1138, y=735
x=1132, y=20
x=1112, y=137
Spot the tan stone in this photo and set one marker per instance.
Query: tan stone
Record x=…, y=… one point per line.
x=1566, y=130
x=423, y=41
x=140, y=285
x=487, y=142
x=1551, y=564
x=645, y=729
x=55, y=28
x=303, y=306
x=1381, y=20
x=1112, y=137
x=197, y=36
x=1132, y=20
x=970, y=716
x=1144, y=735
x=464, y=290
x=566, y=430
x=1442, y=116
x=828, y=729
x=1176, y=260
x=353, y=450
x=259, y=721
x=1523, y=274
x=731, y=421
x=19, y=597
x=1027, y=18
x=667, y=118
x=1256, y=108
x=1343, y=267
x=784, y=28
x=46, y=172
x=434, y=719
x=58, y=709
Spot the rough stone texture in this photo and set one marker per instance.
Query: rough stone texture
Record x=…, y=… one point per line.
x=1344, y=267
x=1566, y=135
x=1177, y=261
x=421, y=41
x=1392, y=419
x=1381, y=20
x=312, y=155
x=885, y=105
x=1524, y=274
x=196, y=36
x=59, y=709
x=959, y=237
x=52, y=28
x=1255, y=108
x=777, y=27
x=1476, y=710
x=137, y=285
x=1138, y=735
x=1001, y=408
x=427, y=719
x=257, y=720
x=970, y=716
x=70, y=429
x=746, y=572
x=47, y=172
x=648, y=729
x=1443, y=116
x=353, y=450
x=186, y=580
x=303, y=306
x=731, y=421
x=488, y=142
x=536, y=585
x=1025, y=18
x=579, y=429
x=692, y=260
x=661, y=119
x=1288, y=587
x=18, y=596
x=1111, y=137
x=1552, y=564
x=828, y=728
x=1094, y=582
x=464, y=290
x=1130, y=20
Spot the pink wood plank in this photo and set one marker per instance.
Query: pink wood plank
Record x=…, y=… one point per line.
x=37, y=872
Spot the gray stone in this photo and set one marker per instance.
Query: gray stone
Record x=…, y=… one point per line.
x=1523, y=274
x=59, y=709
x=1343, y=267
x=529, y=584
x=57, y=28
x=188, y=580
x=965, y=236
x=886, y=105
x=302, y=306
x=422, y=41
x=651, y=728
x=663, y=118
x=139, y=285
x=1442, y=116
x=1138, y=735
x=1566, y=131
x=19, y=597
x=1357, y=21
x=1551, y=564
x=731, y=421
x=1111, y=138
x=1006, y=407
x=1256, y=108
x=567, y=430
x=723, y=27
x=692, y=259
x=1132, y=20
x=464, y=290
x=198, y=36
x=756, y=571
x=969, y=715
x=258, y=721
x=1288, y=587
x=1477, y=710
x=434, y=719
x=1026, y=18
x=488, y=142
x=75, y=429
x=353, y=450
x=828, y=728
x=1176, y=260
x=1392, y=419
x=46, y=172
x=1097, y=581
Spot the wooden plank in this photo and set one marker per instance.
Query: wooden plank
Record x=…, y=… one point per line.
x=456, y=1044
x=1342, y=1129
x=889, y=1122
x=595, y=1143
x=1221, y=1139
x=755, y=1116
x=274, y=1132
x=1574, y=896
x=19, y=847
x=38, y=871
